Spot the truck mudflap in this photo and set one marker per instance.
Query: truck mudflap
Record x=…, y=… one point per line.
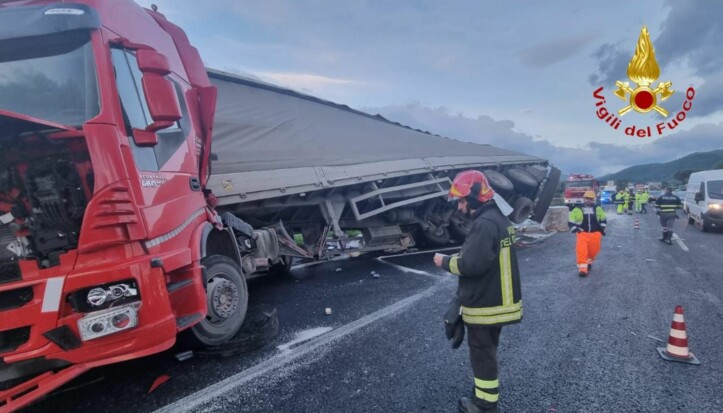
x=545, y=195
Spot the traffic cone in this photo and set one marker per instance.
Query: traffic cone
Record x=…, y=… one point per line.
x=677, y=348
x=637, y=224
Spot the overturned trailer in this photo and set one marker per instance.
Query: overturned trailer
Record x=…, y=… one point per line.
x=321, y=169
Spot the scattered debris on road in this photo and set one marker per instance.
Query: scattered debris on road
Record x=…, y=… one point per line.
x=260, y=328
x=158, y=381
x=183, y=356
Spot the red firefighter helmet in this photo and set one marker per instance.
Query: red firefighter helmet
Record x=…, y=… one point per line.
x=472, y=184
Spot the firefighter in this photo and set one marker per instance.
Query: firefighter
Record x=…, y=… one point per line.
x=589, y=223
x=489, y=283
x=620, y=201
x=644, y=199
x=668, y=204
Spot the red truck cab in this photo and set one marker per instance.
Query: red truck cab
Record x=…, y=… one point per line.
x=105, y=114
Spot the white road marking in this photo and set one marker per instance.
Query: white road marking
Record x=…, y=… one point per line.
x=230, y=384
x=680, y=242
x=303, y=336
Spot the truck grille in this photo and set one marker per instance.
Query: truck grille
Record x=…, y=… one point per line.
x=12, y=339
x=15, y=299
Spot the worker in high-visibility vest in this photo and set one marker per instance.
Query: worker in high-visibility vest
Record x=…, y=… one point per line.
x=619, y=200
x=644, y=199
x=626, y=198
x=588, y=222
x=638, y=196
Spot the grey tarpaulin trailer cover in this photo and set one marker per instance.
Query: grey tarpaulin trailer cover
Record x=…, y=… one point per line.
x=271, y=142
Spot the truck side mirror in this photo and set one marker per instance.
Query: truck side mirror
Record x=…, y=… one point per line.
x=160, y=94
x=698, y=197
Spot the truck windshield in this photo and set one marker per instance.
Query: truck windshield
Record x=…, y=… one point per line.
x=50, y=77
x=579, y=184
x=715, y=189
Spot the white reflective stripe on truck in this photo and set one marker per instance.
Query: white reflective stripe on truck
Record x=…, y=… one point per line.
x=51, y=298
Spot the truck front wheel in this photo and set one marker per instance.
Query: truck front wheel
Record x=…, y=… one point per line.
x=227, y=300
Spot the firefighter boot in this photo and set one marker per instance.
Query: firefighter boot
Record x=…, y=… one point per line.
x=467, y=405
x=669, y=239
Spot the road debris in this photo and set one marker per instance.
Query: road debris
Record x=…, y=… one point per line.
x=158, y=381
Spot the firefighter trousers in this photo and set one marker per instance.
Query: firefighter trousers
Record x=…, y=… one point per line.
x=483, y=342
x=588, y=246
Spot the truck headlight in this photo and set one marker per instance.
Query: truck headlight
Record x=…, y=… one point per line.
x=104, y=296
x=103, y=323
x=715, y=206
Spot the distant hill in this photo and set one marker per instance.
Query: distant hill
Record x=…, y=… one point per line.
x=665, y=172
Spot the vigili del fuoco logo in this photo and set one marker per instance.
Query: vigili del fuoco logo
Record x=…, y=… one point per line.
x=643, y=96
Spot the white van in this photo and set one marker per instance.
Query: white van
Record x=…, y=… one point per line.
x=704, y=199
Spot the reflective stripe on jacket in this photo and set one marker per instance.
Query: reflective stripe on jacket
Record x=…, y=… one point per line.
x=489, y=278
x=668, y=203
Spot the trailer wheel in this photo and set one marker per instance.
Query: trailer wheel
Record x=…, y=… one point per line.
x=227, y=300
x=438, y=237
x=499, y=182
x=522, y=209
x=522, y=180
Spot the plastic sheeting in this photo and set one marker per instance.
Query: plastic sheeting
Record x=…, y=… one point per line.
x=262, y=127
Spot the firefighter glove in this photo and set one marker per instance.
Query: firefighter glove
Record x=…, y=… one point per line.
x=453, y=324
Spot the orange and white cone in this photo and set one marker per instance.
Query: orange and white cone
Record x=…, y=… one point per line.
x=677, y=348
x=637, y=224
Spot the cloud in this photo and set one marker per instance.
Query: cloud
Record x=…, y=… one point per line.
x=691, y=36
x=596, y=158
x=547, y=54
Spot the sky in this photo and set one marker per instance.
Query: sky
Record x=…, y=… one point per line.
x=515, y=74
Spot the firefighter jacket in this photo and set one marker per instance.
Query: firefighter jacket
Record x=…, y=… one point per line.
x=489, y=279
x=668, y=203
x=587, y=219
x=619, y=197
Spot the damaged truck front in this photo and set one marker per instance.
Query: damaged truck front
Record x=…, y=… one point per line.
x=116, y=236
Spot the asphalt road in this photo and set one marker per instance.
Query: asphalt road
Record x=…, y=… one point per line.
x=585, y=344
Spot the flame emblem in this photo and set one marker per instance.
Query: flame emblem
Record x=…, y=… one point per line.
x=643, y=69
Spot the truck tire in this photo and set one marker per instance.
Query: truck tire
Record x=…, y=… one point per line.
x=522, y=180
x=436, y=238
x=691, y=221
x=260, y=328
x=704, y=225
x=227, y=300
x=522, y=208
x=499, y=182
x=537, y=171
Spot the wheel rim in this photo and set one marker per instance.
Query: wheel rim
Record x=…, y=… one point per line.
x=223, y=298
